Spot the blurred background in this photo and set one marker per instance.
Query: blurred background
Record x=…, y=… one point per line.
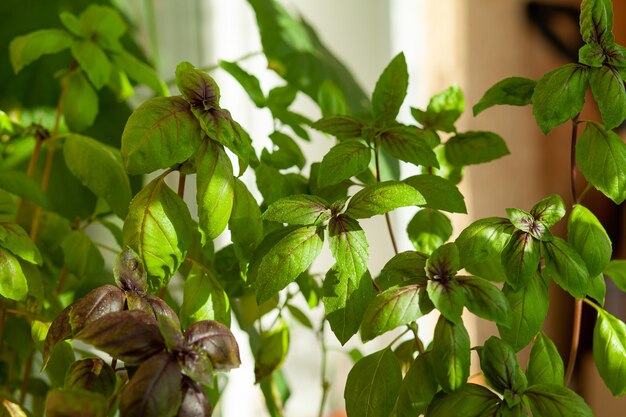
x=472, y=43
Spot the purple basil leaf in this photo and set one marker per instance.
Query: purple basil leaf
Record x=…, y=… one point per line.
x=59, y=330
x=97, y=303
x=154, y=390
x=91, y=374
x=198, y=88
x=195, y=402
x=217, y=341
x=131, y=336
x=129, y=272
x=161, y=308
x=170, y=330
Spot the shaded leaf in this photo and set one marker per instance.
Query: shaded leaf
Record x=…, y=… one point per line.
x=500, y=365
x=140, y=72
x=129, y=272
x=272, y=351
x=408, y=144
x=95, y=304
x=390, y=90
x=373, y=385
x=549, y=210
x=345, y=298
x=99, y=168
x=566, y=267
x=93, y=61
x=484, y=238
x=529, y=307
x=154, y=390
x=81, y=256
x=247, y=81
x=418, y=387
x=13, y=284
x=198, y=88
x=607, y=87
x=451, y=353
x=75, y=403
x=515, y=91
x=549, y=400
x=342, y=127
x=14, y=238
x=470, y=401
x=20, y=184
x=428, y=230
x=28, y=48
x=92, y=374
x=485, y=300
x=216, y=341
x=245, y=224
x=440, y=193
x=448, y=297
x=287, y=154
x=520, y=259
x=160, y=133
x=194, y=400
x=79, y=103
x=475, y=148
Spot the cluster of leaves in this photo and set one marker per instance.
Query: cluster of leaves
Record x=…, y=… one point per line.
x=50, y=266
x=167, y=369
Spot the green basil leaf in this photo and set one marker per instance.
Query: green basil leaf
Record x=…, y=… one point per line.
x=13, y=284
x=448, y=297
x=566, y=267
x=475, y=148
x=587, y=236
x=245, y=224
x=408, y=144
x=331, y=99
x=103, y=22
x=154, y=390
x=607, y=87
x=529, y=307
x=247, y=81
x=28, y=48
x=451, y=353
x=17, y=241
x=271, y=352
x=559, y=96
x=428, y=230
x=343, y=161
x=341, y=127
x=485, y=300
x=348, y=245
x=391, y=308
x=345, y=298
x=597, y=288
x=20, y=184
x=591, y=54
x=418, y=387
x=549, y=400
x=545, y=365
x=514, y=91
x=273, y=185
x=215, y=189
x=596, y=21
x=443, y=110
x=203, y=298
x=158, y=229
x=549, y=210
x=160, y=133
x=81, y=256
x=403, y=267
x=443, y=263
x=140, y=72
x=79, y=103
x=382, y=198
x=501, y=368
x=287, y=155
x=616, y=270
x=520, y=259
x=92, y=59
x=601, y=156
x=72, y=23
x=609, y=351
x=198, y=88
x=373, y=385
x=520, y=219
x=99, y=168
x=470, y=401
x=483, y=239
x=299, y=209
x=440, y=193
x=390, y=90
x=284, y=261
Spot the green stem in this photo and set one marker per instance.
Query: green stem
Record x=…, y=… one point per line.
x=62, y=277
x=325, y=382
x=387, y=218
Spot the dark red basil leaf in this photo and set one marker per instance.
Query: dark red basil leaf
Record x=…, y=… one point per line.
x=217, y=341
x=129, y=272
x=161, y=308
x=91, y=374
x=195, y=402
x=154, y=390
x=59, y=330
x=131, y=336
x=97, y=303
